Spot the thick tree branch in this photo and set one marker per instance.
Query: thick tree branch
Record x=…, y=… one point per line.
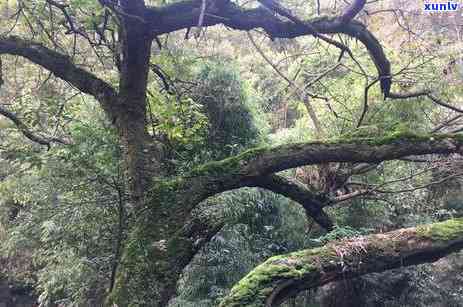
x=62, y=67
x=250, y=168
x=133, y=84
x=283, y=276
x=278, y=8
x=185, y=14
x=351, y=11
x=258, y=162
x=132, y=5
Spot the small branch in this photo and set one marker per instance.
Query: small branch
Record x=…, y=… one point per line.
x=279, y=9
x=165, y=79
x=346, y=197
x=322, y=75
x=302, y=94
x=378, y=189
x=118, y=10
x=362, y=168
x=365, y=103
x=443, y=104
x=1, y=73
x=446, y=123
x=424, y=186
x=426, y=94
x=201, y=18
x=456, y=130
x=184, y=14
x=45, y=141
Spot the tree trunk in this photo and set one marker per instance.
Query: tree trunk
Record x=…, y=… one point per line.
x=163, y=242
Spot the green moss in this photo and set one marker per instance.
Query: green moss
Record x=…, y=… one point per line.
x=119, y=294
x=254, y=289
x=235, y=163
x=367, y=136
x=167, y=185
x=373, y=135
x=397, y=135
x=230, y=164
x=443, y=231
x=150, y=246
x=259, y=276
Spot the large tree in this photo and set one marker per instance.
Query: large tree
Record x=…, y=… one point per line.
x=165, y=235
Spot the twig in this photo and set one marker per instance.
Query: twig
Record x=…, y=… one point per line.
x=27, y=132
x=425, y=93
x=365, y=103
x=300, y=92
x=446, y=123
x=201, y=19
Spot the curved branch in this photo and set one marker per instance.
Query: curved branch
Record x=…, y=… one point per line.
x=365, y=102
x=250, y=168
x=62, y=67
x=283, y=276
x=258, y=162
x=312, y=203
x=185, y=14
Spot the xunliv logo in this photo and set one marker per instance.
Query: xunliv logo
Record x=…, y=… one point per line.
x=441, y=7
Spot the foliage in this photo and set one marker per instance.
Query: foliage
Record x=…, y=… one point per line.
x=181, y=120
x=63, y=215
x=260, y=225
x=341, y=233
x=233, y=112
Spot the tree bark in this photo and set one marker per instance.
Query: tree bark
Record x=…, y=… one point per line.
x=281, y=277
x=131, y=111
x=165, y=235
x=161, y=246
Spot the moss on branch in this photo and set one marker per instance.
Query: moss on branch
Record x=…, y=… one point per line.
x=282, y=276
x=238, y=163
x=442, y=232
x=230, y=164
